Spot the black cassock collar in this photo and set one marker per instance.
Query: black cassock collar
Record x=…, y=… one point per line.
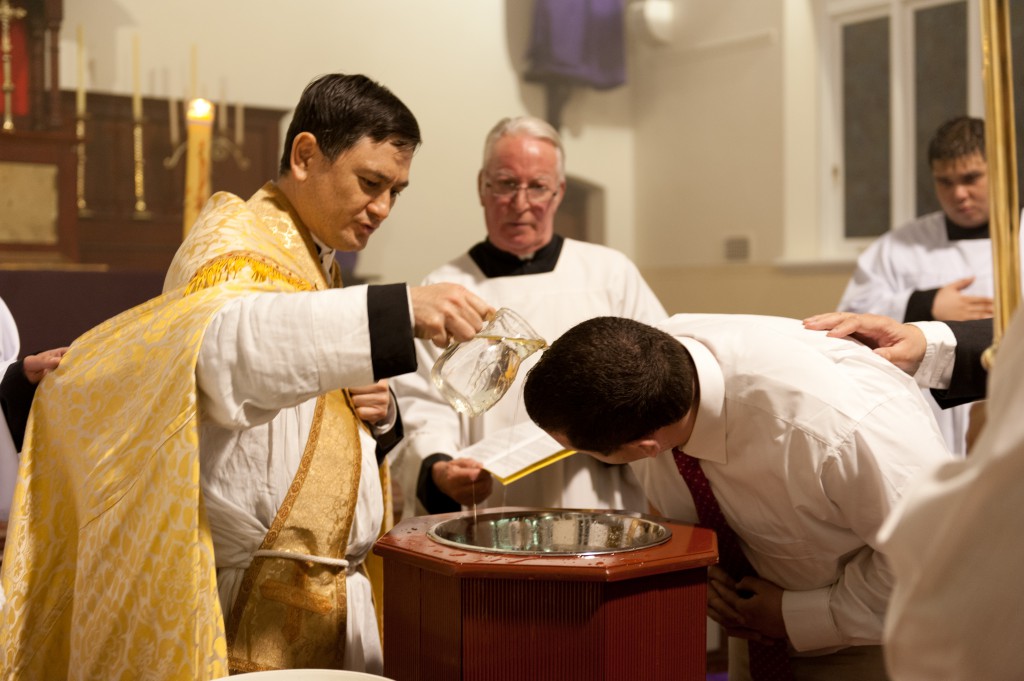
x=495, y=262
x=955, y=232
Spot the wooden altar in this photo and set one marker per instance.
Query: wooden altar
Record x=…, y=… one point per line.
x=107, y=229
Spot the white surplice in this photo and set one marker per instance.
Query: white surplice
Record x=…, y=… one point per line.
x=588, y=281
x=10, y=346
x=920, y=256
x=263, y=361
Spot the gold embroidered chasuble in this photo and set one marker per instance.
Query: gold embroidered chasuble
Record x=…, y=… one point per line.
x=109, y=568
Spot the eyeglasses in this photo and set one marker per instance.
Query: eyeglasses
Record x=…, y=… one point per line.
x=536, y=192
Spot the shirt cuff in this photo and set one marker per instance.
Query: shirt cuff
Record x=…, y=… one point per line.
x=388, y=422
x=939, y=355
x=389, y=439
x=809, y=624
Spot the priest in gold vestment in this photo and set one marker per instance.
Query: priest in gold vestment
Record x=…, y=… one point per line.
x=199, y=485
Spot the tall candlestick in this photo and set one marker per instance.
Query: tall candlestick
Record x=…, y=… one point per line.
x=222, y=115
x=239, y=125
x=199, y=122
x=140, y=170
x=136, y=88
x=80, y=119
x=80, y=92
x=8, y=14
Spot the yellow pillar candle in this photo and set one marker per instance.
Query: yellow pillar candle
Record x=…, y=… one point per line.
x=199, y=128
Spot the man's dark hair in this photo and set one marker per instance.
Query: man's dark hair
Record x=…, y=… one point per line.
x=956, y=138
x=339, y=110
x=608, y=381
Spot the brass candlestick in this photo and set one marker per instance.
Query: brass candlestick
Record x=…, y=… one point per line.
x=224, y=147
x=139, y=175
x=221, y=148
x=7, y=14
x=176, y=153
x=83, y=208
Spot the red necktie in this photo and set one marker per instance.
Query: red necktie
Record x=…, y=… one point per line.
x=768, y=662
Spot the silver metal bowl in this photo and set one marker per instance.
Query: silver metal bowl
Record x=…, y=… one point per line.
x=554, y=532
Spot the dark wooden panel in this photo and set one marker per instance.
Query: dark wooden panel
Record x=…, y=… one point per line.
x=45, y=149
x=109, y=229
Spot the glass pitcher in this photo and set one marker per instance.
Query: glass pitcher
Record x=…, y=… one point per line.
x=475, y=374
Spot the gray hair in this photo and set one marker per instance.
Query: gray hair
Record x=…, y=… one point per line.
x=529, y=126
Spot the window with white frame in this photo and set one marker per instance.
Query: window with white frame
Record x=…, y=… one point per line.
x=895, y=70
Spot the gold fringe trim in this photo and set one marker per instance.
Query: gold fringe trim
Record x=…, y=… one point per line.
x=226, y=267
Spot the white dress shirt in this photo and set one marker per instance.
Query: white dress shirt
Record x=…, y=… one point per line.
x=936, y=366
x=808, y=442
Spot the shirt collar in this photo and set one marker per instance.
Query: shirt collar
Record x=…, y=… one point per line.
x=494, y=262
x=707, y=440
x=326, y=254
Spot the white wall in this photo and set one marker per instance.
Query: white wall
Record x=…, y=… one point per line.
x=709, y=134
x=727, y=145
x=714, y=136
x=455, y=63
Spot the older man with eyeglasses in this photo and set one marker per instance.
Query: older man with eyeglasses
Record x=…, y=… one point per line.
x=554, y=283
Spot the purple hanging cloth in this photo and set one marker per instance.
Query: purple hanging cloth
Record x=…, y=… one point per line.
x=576, y=42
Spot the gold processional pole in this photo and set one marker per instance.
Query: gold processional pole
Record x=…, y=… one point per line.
x=1000, y=150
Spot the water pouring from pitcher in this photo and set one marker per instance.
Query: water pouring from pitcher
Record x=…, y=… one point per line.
x=475, y=374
